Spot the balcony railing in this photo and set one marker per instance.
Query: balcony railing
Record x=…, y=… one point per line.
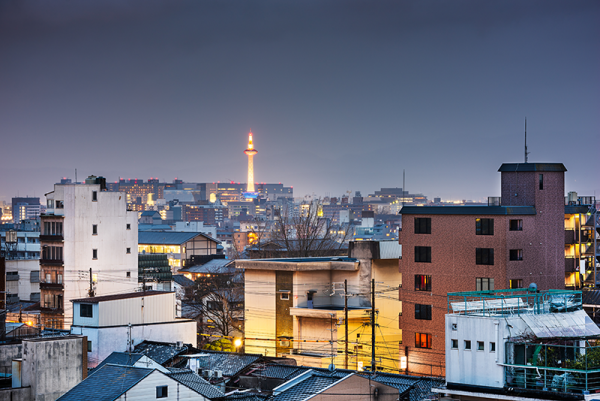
x=52, y=262
x=51, y=286
x=52, y=238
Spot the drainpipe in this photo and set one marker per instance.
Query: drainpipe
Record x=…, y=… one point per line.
x=496, y=328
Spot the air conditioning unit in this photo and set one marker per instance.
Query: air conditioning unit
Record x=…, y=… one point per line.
x=209, y=373
x=218, y=374
x=179, y=344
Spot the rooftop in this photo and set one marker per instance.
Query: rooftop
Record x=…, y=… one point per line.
x=95, y=300
x=169, y=237
x=295, y=264
x=470, y=210
x=532, y=167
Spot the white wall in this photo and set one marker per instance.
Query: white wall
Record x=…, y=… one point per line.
x=24, y=287
x=146, y=389
x=110, y=213
x=114, y=339
x=260, y=311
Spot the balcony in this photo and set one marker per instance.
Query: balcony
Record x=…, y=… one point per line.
x=52, y=262
x=569, y=237
x=51, y=286
x=51, y=310
x=51, y=238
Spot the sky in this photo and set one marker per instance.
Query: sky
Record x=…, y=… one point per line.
x=340, y=95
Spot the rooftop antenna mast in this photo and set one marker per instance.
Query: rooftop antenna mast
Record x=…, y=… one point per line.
x=526, y=152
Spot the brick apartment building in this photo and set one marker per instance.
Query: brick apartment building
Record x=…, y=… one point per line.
x=512, y=244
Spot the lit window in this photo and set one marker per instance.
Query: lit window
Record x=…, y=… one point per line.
x=422, y=340
x=422, y=282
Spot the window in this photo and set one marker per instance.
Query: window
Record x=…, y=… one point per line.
x=423, y=254
x=128, y=226
x=422, y=282
x=516, y=254
x=484, y=256
x=516, y=283
x=128, y=274
x=541, y=181
x=59, y=278
x=422, y=225
x=467, y=344
x=162, y=391
x=454, y=344
x=484, y=284
x=516, y=225
x=484, y=226
x=94, y=229
x=213, y=305
x=492, y=347
x=422, y=312
x=94, y=196
x=85, y=310
x=422, y=340
x=479, y=345
x=59, y=204
x=285, y=296
x=89, y=346
x=94, y=254
x=128, y=250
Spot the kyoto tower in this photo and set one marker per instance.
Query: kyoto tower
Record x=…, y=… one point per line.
x=250, y=193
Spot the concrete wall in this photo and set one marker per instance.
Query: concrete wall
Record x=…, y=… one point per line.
x=259, y=293
x=23, y=287
x=15, y=394
x=52, y=366
x=110, y=339
x=357, y=388
x=8, y=352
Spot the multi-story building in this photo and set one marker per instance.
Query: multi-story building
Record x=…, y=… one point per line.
x=296, y=306
x=88, y=241
x=467, y=248
x=25, y=208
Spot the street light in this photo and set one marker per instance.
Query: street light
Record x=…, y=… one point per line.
x=237, y=343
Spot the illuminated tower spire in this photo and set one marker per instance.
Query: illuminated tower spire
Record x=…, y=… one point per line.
x=250, y=152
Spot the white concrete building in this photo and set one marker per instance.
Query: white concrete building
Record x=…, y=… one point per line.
x=120, y=322
x=88, y=239
x=22, y=280
x=519, y=344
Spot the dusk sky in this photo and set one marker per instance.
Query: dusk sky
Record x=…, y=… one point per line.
x=340, y=95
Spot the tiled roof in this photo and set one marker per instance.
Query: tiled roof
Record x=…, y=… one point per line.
x=282, y=371
x=214, y=266
x=182, y=280
x=120, y=358
x=160, y=352
x=229, y=363
x=247, y=396
x=107, y=383
x=196, y=383
x=169, y=237
x=95, y=300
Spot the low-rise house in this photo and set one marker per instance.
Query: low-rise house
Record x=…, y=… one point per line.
x=119, y=382
x=520, y=344
x=119, y=322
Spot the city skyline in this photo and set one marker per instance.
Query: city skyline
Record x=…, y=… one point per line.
x=341, y=96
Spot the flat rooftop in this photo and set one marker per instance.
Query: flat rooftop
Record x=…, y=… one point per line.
x=95, y=300
x=299, y=264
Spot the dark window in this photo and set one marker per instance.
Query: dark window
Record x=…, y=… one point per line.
x=423, y=254
x=484, y=256
x=516, y=283
x=422, y=225
x=516, y=225
x=467, y=344
x=85, y=310
x=94, y=254
x=128, y=226
x=213, y=305
x=94, y=229
x=484, y=226
x=454, y=344
x=128, y=274
x=162, y=391
x=422, y=312
x=422, y=282
x=479, y=345
x=89, y=346
x=128, y=250
x=94, y=196
x=484, y=284
x=541, y=181
x=422, y=340
x=516, y=254
x=492, y=347
x=285, y=296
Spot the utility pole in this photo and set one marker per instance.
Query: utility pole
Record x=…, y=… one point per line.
x=91, y=291
x=373, y=325
x=346, y=320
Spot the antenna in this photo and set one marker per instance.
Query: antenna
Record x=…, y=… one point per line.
x=526, y=152
x=403, y=186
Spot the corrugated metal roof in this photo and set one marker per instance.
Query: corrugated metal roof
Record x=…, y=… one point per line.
x=470, y=210
x=214, y=266
x=390, y=250
x=532, y=167
x=556, y=325
x=95, y=300
x=169, y=237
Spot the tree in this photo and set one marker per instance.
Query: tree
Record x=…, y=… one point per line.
x=218, y=300
x=305, y=233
